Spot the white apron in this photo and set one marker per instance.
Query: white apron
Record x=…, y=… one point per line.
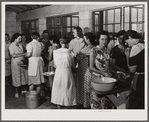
x=33, y=64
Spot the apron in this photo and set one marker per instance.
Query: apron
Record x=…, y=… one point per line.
x=33, y=64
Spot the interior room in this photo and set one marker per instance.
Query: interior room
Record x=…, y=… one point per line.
x=34, y=20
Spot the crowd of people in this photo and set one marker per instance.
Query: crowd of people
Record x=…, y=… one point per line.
x=74, y=64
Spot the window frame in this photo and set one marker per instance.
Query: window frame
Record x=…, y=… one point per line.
x=36, y=29
x=62, y=27
x=130, y=12
x=106, y=19
x=122, y=18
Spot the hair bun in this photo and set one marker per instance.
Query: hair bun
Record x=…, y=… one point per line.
x=63, y=41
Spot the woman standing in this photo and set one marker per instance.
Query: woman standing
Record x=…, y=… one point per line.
x=17, y=55
x=54, y=45
x=36, y=64
x=75, y=46
x=84, y=74
x=118, y=60
x=77, y=43
x=24, y=41
x=7, y=60
x=99, y=65
x=63, y=89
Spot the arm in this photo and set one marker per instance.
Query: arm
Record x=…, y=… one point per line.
x=17, y=55
x=13, y=55
x=73, y=63
x=127, y=53
x=50, y=53
x=113, y=66
x=29, y=51
x=28, y=54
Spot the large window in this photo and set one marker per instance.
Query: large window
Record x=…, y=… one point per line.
x=30, y=26
x=134, y=18
x=109, y=20
x=62, y=25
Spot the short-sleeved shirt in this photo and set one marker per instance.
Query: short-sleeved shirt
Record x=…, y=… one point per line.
x=120, y=57
x=136, y=57
x=76, y=45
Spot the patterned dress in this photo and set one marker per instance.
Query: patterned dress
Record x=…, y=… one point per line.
x=101, y=63
x=83, y=77
x=19, y=75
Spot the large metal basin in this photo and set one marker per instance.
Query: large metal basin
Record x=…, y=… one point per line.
x=103, y=84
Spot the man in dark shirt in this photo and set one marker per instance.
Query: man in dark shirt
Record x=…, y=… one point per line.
x=45, y=53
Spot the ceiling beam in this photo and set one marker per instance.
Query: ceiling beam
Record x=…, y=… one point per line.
x=14, y=8
x=21, y=7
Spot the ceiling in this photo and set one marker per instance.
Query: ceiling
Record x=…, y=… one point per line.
x=22, y=8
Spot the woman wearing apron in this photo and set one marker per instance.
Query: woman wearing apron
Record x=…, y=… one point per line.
x=36, y=65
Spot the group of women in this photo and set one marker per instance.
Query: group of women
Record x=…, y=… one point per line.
x=88, y=56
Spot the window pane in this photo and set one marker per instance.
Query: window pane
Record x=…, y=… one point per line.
x=104, y=17
x=133, y=14
x=96, y=28
x=57, y=21
x=126, y=14
x=37, y=24
x=75, y=21
x=110, y=28
x=66, y=21
x=104, y=27
x=23, y=25
x=134, y=27
x=49, y=22
x=52, y=22
x=117, y=16
x=117, y=28
x=27, y=25
x=32, y=24
x=140, y=15
x=96, y=19
x=66, y=31
x=110, y=16
x=126, y=27
x=140, y=29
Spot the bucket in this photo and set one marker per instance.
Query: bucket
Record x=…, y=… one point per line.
x=32, y=99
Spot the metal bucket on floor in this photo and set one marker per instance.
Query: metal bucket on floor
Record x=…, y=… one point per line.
x=32, y=99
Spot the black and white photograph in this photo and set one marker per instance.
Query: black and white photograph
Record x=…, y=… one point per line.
x=74, y=60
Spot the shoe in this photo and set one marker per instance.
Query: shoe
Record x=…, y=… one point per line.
x=16, y=95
